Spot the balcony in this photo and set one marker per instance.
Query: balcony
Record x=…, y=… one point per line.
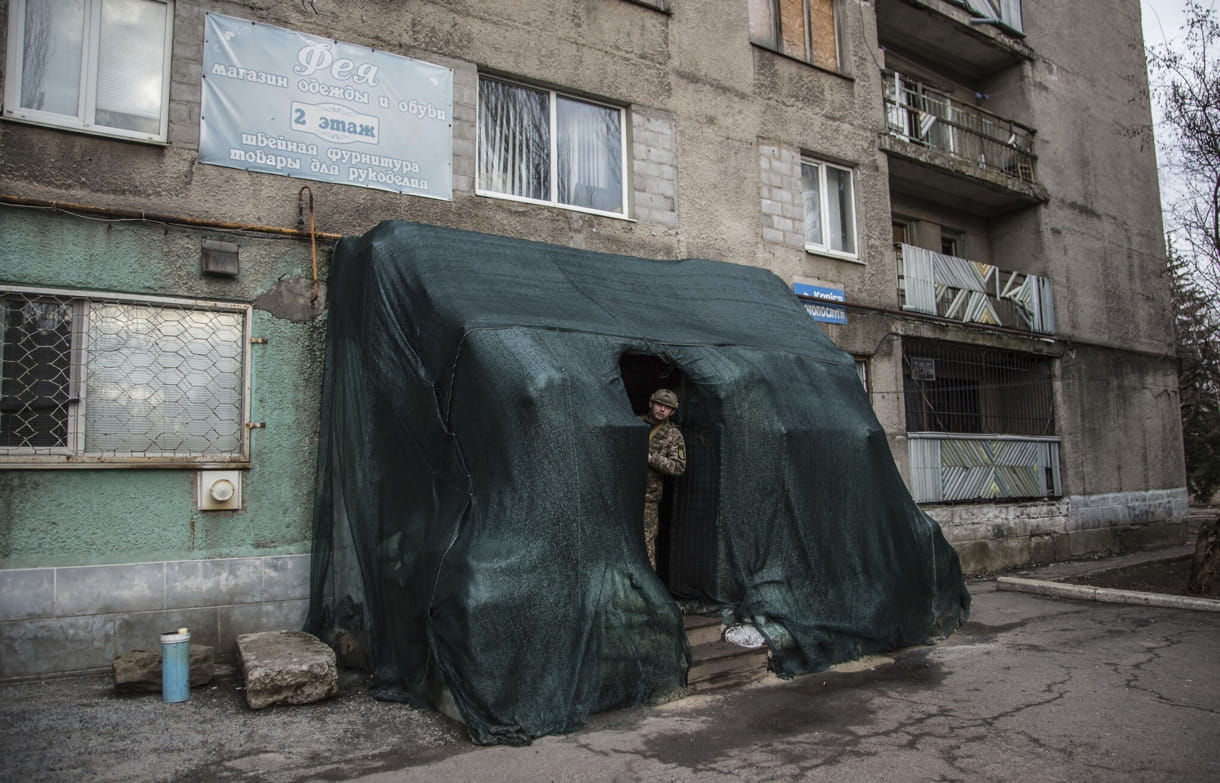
x=954, y=153
x=972, y=292
x=949, y=34
x=980, y=422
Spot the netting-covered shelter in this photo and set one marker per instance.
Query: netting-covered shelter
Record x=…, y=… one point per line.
x=481, y=480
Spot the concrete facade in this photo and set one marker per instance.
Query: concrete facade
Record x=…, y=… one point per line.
x=716, y=131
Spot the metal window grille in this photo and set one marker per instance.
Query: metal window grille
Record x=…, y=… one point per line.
x=956, y=388
x=110, y=378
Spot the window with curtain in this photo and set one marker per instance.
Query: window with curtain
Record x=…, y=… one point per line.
x=99, y=66
x=95, y=380
x=803, y=29
x=830, y=208
x=542, y=146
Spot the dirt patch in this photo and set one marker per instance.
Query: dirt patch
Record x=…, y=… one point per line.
x=1168, y=577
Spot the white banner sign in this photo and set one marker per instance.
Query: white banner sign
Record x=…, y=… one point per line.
x=284, y=102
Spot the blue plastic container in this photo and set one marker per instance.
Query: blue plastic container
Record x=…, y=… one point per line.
x=176, y=665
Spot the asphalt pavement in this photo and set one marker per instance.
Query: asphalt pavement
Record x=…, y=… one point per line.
x=1032, y=688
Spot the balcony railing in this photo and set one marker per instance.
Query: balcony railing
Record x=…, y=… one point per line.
x=921, y=114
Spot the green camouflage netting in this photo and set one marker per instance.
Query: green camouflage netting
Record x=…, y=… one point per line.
x=478, y=538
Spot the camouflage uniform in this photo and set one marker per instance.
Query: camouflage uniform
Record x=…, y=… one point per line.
x=666, y=457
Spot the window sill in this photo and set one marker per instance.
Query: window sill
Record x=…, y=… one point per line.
x=137, y=138
x=806, y=63
x=553, y=205
x=833, y=256
x=14, y=462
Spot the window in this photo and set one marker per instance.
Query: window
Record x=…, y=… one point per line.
x=951, y=387
x=544, y=147
x=111, y=379
x=100, y=66
x=980, y=422
x=804, y=29
x=1006, y=13
x=862, y=370
x=952, y=243
x=830, y=208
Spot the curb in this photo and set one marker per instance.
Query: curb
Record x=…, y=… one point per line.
x=1105, y=594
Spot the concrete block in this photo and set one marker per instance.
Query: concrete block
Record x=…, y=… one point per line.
x=771, y=235
x=1085, y=543
x=1154, y=535
x=1049, y=548
x=658, y=155
x=94, y=590
x=663, y=186
x=285, y=578
x=233, y=621
x=27, y=593
x=985, y=557
x=190, y=583
x=286, y=667
x=142, y=630
x=645, y=168
x=55, y=645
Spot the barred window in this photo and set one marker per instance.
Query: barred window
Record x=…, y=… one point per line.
x=112, y=379
x=956, y=388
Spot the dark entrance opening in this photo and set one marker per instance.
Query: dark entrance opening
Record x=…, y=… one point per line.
x=690, y=553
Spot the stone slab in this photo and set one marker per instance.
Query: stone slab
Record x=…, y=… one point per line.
x=286, y=667
x=139, y=671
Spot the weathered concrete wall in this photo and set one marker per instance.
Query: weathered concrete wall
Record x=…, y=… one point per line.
x=1100, y=239
x=991, y=538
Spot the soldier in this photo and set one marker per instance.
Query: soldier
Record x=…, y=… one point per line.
x=666, y=457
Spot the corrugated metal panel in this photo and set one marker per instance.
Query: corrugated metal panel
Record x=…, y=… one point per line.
x=1046, y=306
x=925, y=469
x=919, y=284
x=983, y=469
x=956, y=272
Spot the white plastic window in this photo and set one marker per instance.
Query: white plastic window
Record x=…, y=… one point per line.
x=98, y=66
x=541, y=146
x=830, y=209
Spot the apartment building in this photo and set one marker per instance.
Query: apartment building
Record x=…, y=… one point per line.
x=958, y=190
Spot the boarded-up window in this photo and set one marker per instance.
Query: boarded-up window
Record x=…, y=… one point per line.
x=803, y=29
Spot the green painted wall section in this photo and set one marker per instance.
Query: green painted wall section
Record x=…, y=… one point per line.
x=59, y=517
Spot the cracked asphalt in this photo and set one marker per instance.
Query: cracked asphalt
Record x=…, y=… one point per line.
x=1031, y=689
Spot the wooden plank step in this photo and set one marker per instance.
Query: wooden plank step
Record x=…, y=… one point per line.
x=720, y=664
x=702, y=630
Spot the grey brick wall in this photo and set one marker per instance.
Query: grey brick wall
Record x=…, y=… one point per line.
x=654, y=166
x=783, y=214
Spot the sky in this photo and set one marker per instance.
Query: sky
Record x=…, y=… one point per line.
x=1162, y=22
